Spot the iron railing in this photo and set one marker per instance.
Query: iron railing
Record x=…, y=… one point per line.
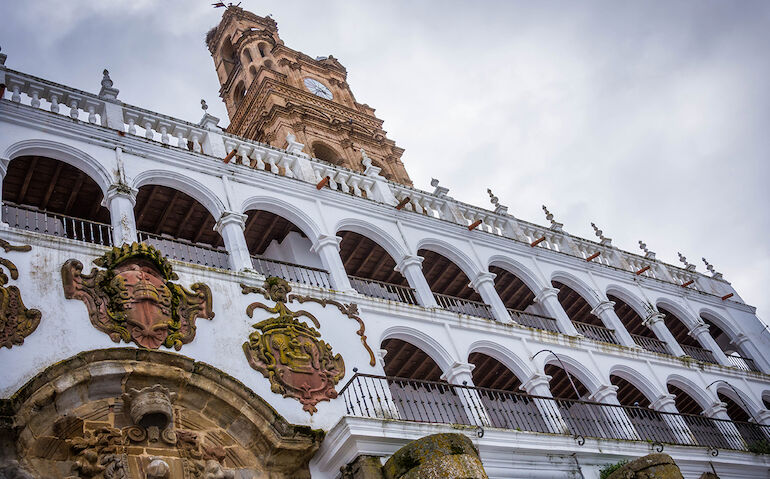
x=651, y=344
x=32, y=219
x=699, y=353
x=599, y=333
x=291, y=272
x=382, y=290
x=534, y=320
x=464, y=306
x=404, y=399
x=746, y=364
x=187, y=251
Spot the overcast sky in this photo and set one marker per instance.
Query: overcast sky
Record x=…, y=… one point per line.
x=649, y=118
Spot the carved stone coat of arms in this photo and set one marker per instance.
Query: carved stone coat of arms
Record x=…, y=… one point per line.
x=134, y=298
x=290, y=353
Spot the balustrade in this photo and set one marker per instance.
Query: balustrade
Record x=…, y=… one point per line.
x=189, y=252
x=382, y=290
x=598, y=333
x=464, y=306
x=651, y=344
x=740, y=362
x=534, y=320
x=412, y=400
x=31, y=219
x=699, y=353
x=291, y=272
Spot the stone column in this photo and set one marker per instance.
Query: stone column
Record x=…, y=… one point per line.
x=328, y=248
x=120, y=200
x=605, y=311
x=548, y=297
x=484, y=284
x=619, y=425
x=763, y=416
x=411, y=267
x=718, y=410
x=539, y=385
x=231, y=226
x=460, y=374
x=665, y=404
x=701, y=334
x=655, y=322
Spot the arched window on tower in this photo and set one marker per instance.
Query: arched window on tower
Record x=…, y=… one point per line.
x=239, y=93
x=326, y=153
x=262, y=47
x=247, y=55
x=227, y=53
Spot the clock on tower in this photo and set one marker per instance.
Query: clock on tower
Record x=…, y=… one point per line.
x=271, y=90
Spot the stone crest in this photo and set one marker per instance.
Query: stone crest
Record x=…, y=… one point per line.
x=289, y=352
x=16, y=321
x=134, y=298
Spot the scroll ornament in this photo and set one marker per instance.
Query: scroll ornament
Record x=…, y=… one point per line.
x=134, y=299
x=289, y=352
x=16, y=321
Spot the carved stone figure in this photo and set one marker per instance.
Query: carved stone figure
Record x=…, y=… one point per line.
x=289, y=352
x=134, y=298
x=152, y=414
x=99, y=452
x=16, y=321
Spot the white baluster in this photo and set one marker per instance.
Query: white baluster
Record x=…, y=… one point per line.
x=74, y=109
x=354, y=184
x=181, y=142
x=54, y=103
x=91, y=114
x=148, y=130
x=196, y=139
x=164, y=138
x=342, y=177
x=271, y=157
x=35, y=99
x=332, y=184
x=131, y=126
x=16, y=97
x=256, y=157
x=243, y=152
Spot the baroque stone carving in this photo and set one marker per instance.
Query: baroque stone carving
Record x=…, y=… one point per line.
x=16, y=321
x=134, y=298
x=151, y=411
x=100, y=452
x=289, y=352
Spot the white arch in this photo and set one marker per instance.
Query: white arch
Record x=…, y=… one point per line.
x=740, y=398
x=701, y=396
x=638, y=380
x=393, y=247
x=462, y=260
x=521, y=369
x=186, y=185
x=577, y=369
x=727, y=326
x=425, y=342
x=683, y=315
x=579, y=286
x=529, y=278
x=286, y=210
x=62, y=152
x=636, y=304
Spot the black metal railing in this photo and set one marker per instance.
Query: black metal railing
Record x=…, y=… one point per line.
x=598, y=333
x=464, y=306
x=291, y=272
x=534, y=320
x=747, y=364
x=383, y=290
x=699, y=353
x=187, y=251
x=404, y=399
x=54, y=224
x=650, y=344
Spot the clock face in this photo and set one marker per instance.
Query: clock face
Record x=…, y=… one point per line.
x=317, y=88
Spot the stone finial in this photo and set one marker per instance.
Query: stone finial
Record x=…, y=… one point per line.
x=687, y=265
x=370, y=169
x=710, y=267
x=555, y=225
x=499, y=209
x=108, y=92
x=438, y=190
x=365, y=160
x=209, y=122
x=204, y=106
x=603, y=240
x=292, y=145
x=647, y=253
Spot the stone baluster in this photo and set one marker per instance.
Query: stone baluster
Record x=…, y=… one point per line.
x=484, y=284
x=616, y=417
x=605, y=311
x=701, y=334
x=411, y=267
x=196, y=139
x=35, y=92
x=655, y=322
x=287, y=163
x=271, y=158
x=131, y=125
x=354, y=184
x=16, y=94
x=256, y=159
x=54, y=98
x=180, y=132
x=120, y=200
x=539, y=385
x=460, y=374
x=231, y=226
x=665, y=403
x=549, y=298
x=164, y=136
x=328, y=248
x=148, y=133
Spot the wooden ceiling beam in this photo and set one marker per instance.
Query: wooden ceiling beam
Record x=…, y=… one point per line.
x=74, y=193
x=166, y=211
x=264, y=240
x=184, y=221
x=146, y=206
x=51, y=186
x=27, y=179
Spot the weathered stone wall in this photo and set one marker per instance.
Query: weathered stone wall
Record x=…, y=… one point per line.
x=652, y=466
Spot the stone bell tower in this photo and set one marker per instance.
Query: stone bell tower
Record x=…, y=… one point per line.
x=271, y=90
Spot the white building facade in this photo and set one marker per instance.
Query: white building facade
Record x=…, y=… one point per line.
x=660, y=338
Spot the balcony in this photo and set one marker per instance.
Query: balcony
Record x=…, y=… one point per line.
x=383, y=290
x=54, y=224
x=464, y=306
x=291, y=272
x=597, y=333
x=393, y=398
x=650, y=344
x=532, y=320
x=740, y=362
x=186, y=251
x=699, y=354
